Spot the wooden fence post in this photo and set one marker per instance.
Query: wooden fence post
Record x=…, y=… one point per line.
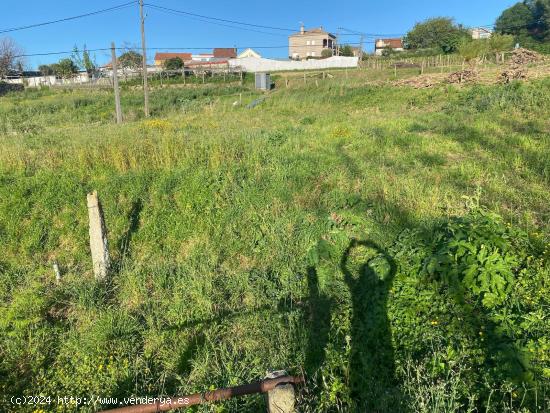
x=98, y=237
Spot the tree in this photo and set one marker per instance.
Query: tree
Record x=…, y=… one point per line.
x=130, y=60
x=528, y=21
x=388, y=51
x=175, y=63
x=326, y=53
x=89, y=65
x=346, y=50
x=83, y=60
x=471, y=50
x=437, y=32
x=515, y=20
x=540, y=26
x=65, y=68
x=10, y=56
x=46, y=70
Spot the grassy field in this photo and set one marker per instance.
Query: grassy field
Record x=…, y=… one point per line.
x=391, y=244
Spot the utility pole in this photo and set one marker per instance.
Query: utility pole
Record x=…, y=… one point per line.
x=361, y=41
x=115, y=84
x=144, y=51
x=361, y=49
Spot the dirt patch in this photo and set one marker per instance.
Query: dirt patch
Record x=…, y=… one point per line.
x=517, y=73
x=517, y=65
x=406, y=65
x=522, y=57
x=463, y=76
x=418, y=82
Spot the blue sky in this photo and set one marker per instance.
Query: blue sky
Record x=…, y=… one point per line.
x=166, y=30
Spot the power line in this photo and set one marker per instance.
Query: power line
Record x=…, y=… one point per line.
x=171, y=48
x=164, y=10
x=114, y=8
x=216, y=20
x=219, y=19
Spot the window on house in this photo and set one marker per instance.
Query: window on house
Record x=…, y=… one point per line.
x=325, y=42
x=313, y=42
x=312, y=53
x=308, y=42
x=330, y=43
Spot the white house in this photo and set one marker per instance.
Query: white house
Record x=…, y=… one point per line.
x=479, y=33
x=203, y=57
x=249, y=53
x=395, y=44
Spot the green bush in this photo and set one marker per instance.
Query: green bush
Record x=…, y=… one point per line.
x=474, y=282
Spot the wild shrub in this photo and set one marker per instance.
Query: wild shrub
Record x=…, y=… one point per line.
x=516, y=95
x=468, y=288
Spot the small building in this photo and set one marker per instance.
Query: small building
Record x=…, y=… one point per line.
x=203, y=57
x=160, y=58
x=262, y=81
x=479, y=33
x=310, y=43
x=249, y=53
x=395, y=45
x=224, y=52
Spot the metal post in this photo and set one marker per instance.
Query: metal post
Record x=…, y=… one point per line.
x=115, y=84
x=171, y=403
x=144, y=63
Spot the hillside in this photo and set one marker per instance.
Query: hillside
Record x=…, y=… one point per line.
x=390, y=243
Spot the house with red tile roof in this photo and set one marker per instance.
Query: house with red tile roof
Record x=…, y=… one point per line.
x=160, y=58
x=225, y=52
x=394, y=44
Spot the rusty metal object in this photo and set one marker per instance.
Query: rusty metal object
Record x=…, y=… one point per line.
x=212, y=396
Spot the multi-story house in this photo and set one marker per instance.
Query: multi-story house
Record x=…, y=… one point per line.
x=310, y=43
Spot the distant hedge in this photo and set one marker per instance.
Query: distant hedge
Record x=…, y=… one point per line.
x=9, y=87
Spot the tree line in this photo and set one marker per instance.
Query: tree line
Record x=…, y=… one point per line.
x=526, y=23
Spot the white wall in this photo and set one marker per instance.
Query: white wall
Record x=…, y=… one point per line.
x=254, y=64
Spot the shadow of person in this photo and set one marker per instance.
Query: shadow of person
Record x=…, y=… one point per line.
x=125, y=241
x=133, y=225
x=369, y=272
x=318, y=313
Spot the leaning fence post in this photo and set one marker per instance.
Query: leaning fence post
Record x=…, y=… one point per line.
x=98, y=237
x=282, y=398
